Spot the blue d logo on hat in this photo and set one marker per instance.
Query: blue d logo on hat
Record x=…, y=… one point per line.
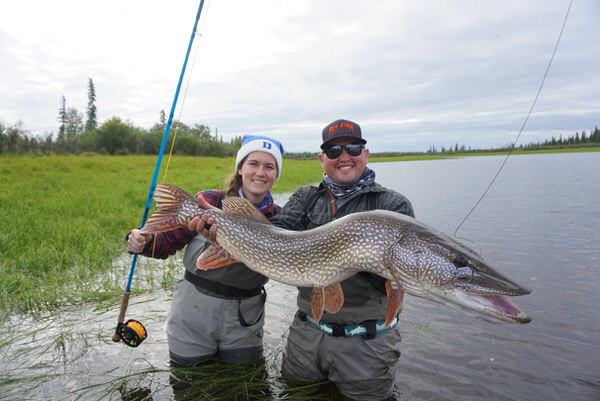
x=254, y=143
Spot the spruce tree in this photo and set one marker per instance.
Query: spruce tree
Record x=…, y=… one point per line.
x=62, y=118
x=91, y=122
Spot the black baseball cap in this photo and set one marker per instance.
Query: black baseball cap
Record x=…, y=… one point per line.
x=340, y=129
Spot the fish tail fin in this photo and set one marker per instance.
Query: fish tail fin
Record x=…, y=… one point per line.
x=173, y=206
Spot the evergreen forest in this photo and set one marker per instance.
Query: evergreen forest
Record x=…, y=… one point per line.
x=79, y=134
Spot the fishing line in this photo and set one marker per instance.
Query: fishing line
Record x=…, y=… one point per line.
x=132, y=332
x=187, y=85
x=512, y=147
x=178, y=120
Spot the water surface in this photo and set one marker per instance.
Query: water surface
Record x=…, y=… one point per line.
x=539, y=224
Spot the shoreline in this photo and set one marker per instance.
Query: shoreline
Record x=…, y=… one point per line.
x=375, y=157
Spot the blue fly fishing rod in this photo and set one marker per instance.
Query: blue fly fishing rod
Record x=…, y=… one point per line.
x=133, y=332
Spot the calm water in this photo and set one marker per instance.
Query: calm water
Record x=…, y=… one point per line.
x=539, y=224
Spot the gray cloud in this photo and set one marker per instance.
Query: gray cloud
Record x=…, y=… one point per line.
x=413, y=74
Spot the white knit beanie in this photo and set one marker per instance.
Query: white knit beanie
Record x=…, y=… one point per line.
x=258, y=143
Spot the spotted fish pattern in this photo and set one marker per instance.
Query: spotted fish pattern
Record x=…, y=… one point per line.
x=414, y=258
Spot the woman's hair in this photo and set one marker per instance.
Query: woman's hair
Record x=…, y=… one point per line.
x=233, y=182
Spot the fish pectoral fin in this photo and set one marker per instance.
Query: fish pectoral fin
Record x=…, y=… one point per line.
x=214, y=257
x=161, y=221
x=242, y=206
x=395, y=296
x=317, y=303
x=334, y=298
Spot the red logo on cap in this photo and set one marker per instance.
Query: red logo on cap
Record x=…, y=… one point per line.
x=334, y=128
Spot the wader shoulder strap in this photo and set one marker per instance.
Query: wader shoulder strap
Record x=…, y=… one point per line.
x=372, y=198
x=310, y=204
x=312, y=199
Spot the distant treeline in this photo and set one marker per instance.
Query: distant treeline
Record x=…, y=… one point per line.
x=577, y=140
x=118, y=137
x=113, y=137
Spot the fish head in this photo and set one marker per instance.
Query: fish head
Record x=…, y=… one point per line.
x=433, y=266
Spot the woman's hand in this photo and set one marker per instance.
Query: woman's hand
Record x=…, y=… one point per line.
x=137, y=241
x=204, y=224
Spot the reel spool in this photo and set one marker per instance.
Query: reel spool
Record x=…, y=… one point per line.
x=132, y=332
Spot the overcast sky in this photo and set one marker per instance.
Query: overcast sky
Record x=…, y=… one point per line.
x=413, y=74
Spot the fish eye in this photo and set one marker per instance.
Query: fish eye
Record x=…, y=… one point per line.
x=460, y=261
x=464, y=274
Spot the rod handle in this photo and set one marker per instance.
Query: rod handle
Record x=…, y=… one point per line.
x=124, y=303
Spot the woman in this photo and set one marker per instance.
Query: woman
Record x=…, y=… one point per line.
x=219, y=313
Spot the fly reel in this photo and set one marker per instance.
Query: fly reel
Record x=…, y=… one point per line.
x=132, y=332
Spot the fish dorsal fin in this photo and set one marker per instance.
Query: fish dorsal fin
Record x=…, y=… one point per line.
x=168, y=200
x=214, y=257
x=334, y=298
x=317, y=303
x=242, y=206
x=394, y=301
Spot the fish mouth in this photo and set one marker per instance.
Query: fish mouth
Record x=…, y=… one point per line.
x=486, y=296
x=489, y=282
x=491, y=308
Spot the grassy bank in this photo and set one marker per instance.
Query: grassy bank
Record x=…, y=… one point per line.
x=64, y=219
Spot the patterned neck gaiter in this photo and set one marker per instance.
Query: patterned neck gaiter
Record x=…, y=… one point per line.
x=341, y=191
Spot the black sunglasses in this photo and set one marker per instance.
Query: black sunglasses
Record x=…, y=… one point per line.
x=353, y=149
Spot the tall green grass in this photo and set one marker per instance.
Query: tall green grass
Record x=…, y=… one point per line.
x=64, y=219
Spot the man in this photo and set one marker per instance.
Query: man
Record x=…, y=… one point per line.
x=363, y=367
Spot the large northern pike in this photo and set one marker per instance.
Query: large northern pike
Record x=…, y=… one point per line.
x=414, y=258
